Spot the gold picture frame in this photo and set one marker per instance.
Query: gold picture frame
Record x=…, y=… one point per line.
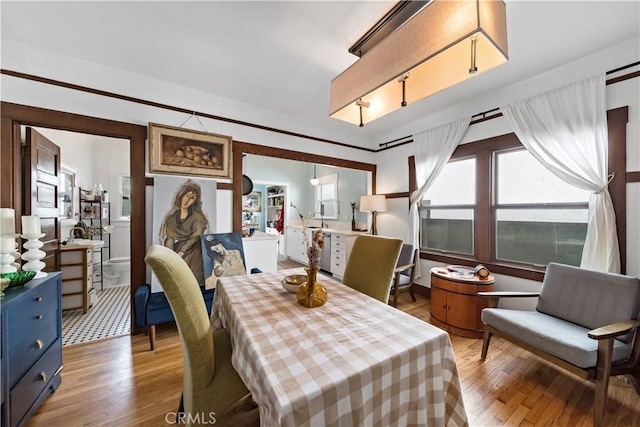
x=182, y=151
x=252, y=202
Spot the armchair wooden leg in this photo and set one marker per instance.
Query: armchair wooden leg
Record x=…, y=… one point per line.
x=485, y=343
x=152, y=336
x=603, y=371
x=395, y=297
x=413, y=296
x=396, y=281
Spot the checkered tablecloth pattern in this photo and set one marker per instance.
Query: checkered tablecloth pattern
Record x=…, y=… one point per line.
x=352, y=362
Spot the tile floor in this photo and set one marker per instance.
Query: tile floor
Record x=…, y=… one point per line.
x=109, y=317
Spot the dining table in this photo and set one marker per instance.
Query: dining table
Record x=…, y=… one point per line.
x=353, y=361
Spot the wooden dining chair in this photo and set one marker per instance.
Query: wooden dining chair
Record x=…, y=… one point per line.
x=371, y=264
x=211, y=386
x=404, y=273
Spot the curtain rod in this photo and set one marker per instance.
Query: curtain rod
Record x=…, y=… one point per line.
x=483, y=115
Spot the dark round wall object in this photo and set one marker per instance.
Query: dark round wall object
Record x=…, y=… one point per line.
x=247, y=185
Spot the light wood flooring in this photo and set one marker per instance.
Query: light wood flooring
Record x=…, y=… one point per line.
x=119, y=382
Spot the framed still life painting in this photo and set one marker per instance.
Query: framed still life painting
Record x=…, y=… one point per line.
x=188, y=152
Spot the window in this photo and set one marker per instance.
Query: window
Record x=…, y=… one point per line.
x=538, y=217
x=447, y=209
x=326, y=197
x=519, y=216
x=125, y=197
x=66, y=202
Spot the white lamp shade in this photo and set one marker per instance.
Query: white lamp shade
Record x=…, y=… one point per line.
x=434, y=47
x=373, y=203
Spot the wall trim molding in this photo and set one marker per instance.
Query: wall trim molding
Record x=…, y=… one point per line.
x=154, y=104
x=481, y=117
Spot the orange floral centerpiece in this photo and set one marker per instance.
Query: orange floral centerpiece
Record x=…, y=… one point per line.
x=311, y=293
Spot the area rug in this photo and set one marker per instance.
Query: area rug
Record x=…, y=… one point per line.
x=110, y=316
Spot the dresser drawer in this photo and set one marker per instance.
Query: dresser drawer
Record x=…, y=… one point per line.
x=73, y=256
x=338, y=263
x=339, y=248
x=25, y=392
x=337, y=237
x=34, y=327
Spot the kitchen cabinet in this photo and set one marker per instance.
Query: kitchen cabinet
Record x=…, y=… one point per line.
x=76, y=263
x=261, y=251
x=340, y=248
x=341, y=244
x=31, y=324
x=455, y=304
x=295, y=245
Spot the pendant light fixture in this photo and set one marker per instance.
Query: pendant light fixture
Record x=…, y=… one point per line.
x=314, y=181
x=247, y=183
x=429, y=53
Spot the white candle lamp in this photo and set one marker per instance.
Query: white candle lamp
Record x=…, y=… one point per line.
x=31, y=225
x=33, y=255
x=31, y=231
x=8, y=253
x=7, y=221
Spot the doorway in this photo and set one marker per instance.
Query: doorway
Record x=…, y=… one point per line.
x=15, y=115
x=96, y=161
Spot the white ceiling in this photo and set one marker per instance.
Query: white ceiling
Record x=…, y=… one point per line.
x=283, y=55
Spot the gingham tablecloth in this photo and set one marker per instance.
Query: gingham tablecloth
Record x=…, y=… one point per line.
x=352, y=362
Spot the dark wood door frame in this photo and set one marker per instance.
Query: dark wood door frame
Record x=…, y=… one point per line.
x=16, y=115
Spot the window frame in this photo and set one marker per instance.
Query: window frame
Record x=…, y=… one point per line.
x=484, y=215
x=122, y=196
x=466, y=206
x=318, y=202
x=495, y=206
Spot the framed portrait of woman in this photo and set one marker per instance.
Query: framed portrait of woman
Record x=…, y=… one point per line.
x=223, y=256
x=183, y=210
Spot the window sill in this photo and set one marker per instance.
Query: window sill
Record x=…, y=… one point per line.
x=529, y=272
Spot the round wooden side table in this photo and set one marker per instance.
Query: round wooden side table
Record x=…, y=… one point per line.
x=455, y=304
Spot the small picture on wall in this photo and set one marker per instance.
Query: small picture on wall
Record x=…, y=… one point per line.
x=189, y=152
x=252, y=202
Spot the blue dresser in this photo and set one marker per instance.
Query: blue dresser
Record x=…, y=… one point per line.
x=31, y=347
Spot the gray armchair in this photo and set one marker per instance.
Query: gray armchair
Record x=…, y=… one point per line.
x=404, y=273
x=585, y=322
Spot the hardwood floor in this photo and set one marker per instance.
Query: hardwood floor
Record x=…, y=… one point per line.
x=119, y=382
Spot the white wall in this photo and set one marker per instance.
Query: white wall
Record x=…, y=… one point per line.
x=26, y=59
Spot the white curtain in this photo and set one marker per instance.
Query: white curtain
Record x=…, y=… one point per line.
x=433, y=149
x=566, y=130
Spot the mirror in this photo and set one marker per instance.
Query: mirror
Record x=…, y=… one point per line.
x=338, y=186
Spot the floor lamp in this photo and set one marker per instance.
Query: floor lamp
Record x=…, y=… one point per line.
x=373, y=203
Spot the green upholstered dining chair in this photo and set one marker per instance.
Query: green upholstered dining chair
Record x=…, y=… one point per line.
x=210, y=385
x=371, y=264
